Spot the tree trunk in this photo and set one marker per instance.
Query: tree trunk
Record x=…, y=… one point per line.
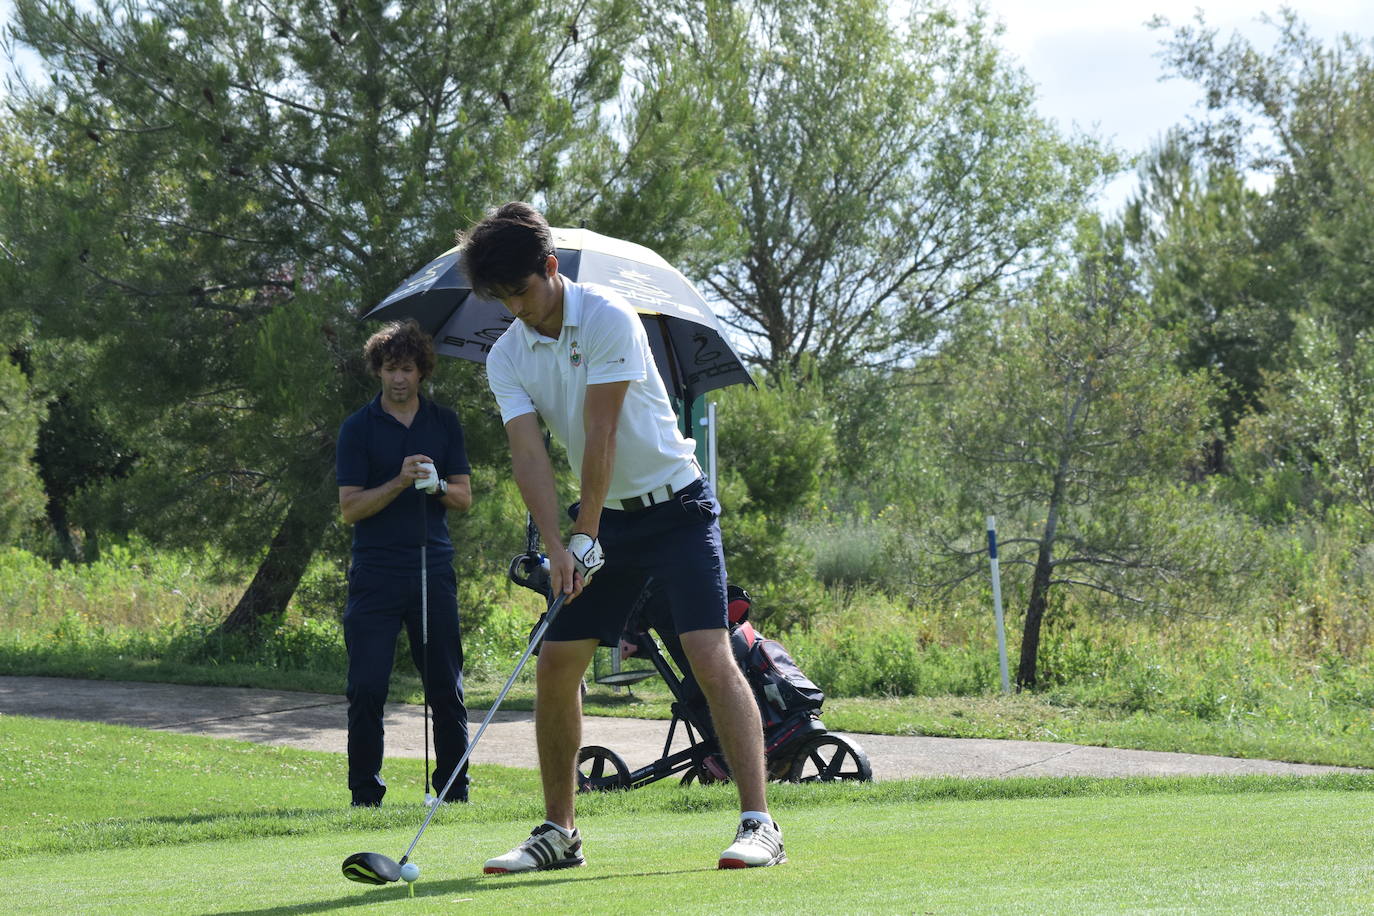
x=62, y=532
x=279, y=572
x=1044, y=561
x=1040, y=587
x=1035, y=613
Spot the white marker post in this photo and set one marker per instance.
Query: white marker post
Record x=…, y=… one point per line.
x=997, y=602
x=711, y=441
x=708, y=422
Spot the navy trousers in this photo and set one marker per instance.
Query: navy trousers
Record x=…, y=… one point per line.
x=379, y=603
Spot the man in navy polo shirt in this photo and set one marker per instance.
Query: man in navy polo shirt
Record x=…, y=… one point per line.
x=578, y=358
x=401, y=466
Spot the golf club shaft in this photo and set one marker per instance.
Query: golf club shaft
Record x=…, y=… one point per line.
x=424, y=627
x=531, y=536
x=535, y=638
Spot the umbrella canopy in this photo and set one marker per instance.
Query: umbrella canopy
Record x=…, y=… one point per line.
x=691, y=352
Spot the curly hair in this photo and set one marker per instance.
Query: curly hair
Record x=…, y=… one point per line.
x=505, y=247
x=399, y=342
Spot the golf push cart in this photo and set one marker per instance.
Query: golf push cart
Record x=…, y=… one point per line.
x=796, y=744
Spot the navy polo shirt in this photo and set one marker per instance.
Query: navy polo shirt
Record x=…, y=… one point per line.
x=372, y=444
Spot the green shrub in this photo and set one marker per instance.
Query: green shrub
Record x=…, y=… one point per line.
x=850, y=551
x=866, y=644
x=776, y=445
x=323, y=590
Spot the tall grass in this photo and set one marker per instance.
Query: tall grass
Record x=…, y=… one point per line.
x=127, y=587
x=143, y=613
x=1278, y=675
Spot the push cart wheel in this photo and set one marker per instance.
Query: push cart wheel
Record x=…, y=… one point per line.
x=693, y=774
x=600, y=769
x=706, y=771
x=830, y=758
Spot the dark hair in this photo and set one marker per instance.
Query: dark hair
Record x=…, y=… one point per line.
x=505, y=247
x=399, y=342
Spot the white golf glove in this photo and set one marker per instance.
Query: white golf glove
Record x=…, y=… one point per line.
x=430, y=483
x=587, y=555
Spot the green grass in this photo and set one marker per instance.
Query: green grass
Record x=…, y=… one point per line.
x=108, y=819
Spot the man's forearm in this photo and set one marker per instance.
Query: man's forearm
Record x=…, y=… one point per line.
x=358, y=504
x=534, y=476
x=597, y=463
x=458, y=497
x=600, y=419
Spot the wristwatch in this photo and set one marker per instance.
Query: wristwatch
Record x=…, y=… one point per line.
x=440, y=491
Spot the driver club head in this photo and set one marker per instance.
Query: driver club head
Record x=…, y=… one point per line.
x=371, y=868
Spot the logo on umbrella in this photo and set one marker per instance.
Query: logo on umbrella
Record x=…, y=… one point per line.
x=704, y=356
x=421, y=281
x=482, y=339
x=636, y=286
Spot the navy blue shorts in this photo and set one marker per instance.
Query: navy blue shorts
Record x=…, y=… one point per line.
x=676, y=544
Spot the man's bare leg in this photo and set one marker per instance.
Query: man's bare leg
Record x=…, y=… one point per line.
x=558, y=722
x=733, y=712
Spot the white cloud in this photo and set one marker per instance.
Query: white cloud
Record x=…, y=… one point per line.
x=1097, y=67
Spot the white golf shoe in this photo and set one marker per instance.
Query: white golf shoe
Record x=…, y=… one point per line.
x=756, y=844
x=545, y=848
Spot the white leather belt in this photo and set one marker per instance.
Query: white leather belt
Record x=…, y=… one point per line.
x=683, y=479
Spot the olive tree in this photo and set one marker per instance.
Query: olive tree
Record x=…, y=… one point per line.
x=1071, y=421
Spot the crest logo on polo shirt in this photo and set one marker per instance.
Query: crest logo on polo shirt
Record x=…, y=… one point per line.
x=574, y=355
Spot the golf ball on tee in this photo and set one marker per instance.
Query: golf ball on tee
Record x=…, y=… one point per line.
x=410, y=871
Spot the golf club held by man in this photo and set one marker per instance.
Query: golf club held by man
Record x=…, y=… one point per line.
x=401, y=468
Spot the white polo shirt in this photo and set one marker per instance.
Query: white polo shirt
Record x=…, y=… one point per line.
x=602, y=340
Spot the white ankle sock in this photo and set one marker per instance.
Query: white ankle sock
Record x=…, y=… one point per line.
x=755, y=815
x=561, y=829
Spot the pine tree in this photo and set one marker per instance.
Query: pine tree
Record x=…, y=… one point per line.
x=216, y=191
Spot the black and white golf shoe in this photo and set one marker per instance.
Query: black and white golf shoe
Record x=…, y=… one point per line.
x=757, y=843
x=545, y=848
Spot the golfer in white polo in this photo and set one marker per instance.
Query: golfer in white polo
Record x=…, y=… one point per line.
x=578, y=357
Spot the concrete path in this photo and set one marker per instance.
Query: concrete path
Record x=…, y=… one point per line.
x=318, y=722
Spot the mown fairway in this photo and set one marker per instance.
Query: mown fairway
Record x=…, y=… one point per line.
x=102, y=819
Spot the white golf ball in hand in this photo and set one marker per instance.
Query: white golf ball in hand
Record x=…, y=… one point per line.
x=409, y=872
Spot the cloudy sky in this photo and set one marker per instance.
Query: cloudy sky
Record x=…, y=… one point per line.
x=1095, y=61
x=1096, y=66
